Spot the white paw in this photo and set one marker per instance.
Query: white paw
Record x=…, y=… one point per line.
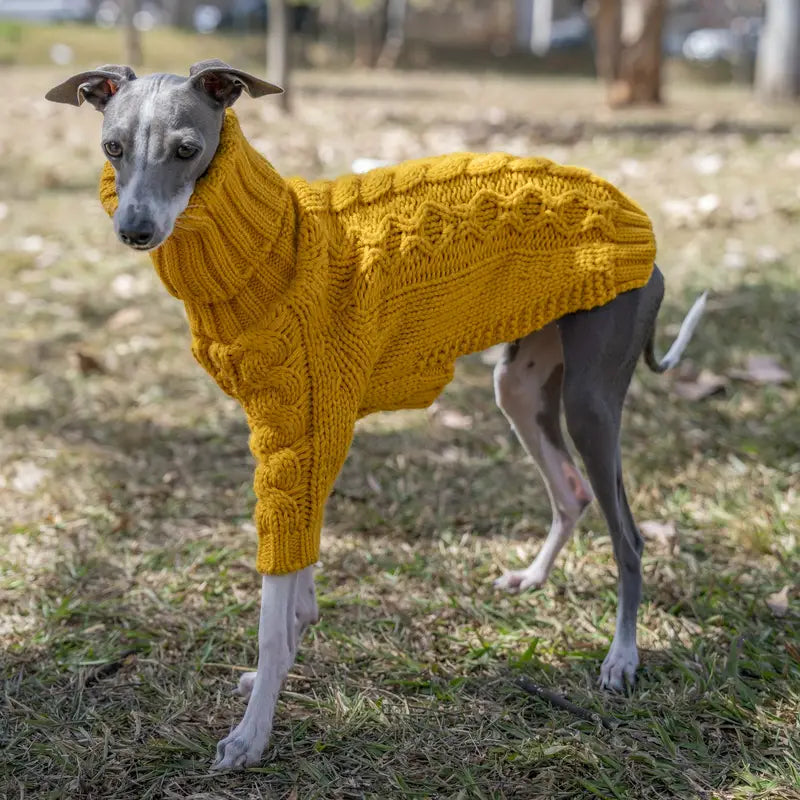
x=242, y=748
x=245, y=687
x=619, y=667
x=521, y=579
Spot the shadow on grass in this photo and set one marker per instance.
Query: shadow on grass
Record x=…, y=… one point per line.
x=413, y=698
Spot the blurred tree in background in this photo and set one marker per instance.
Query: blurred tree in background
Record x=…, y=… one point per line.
x=278, y=49
x=629, y=55
x=625, y=40
x=778, y=65
x=378, y=34
x=131, y=33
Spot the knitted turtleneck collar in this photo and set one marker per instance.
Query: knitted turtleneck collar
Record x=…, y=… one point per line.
x=208, y=259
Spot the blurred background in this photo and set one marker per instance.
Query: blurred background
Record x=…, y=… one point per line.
x=128, y=599
x=623, y=41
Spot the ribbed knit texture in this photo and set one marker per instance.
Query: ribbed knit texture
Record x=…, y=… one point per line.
x=314, y=304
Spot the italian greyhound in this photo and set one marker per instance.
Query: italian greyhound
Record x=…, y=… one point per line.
x=161, y=133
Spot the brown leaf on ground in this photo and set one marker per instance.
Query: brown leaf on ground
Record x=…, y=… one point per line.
x=761, y=369
x=89, y=364
x=778, y=603
x=125, y=317
x=707, y=383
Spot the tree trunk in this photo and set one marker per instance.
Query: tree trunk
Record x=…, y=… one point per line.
x=131, y=34
x=629, y=51
x=541, y=26
x=778, y=65
x=608, y=39
x=370, y=24
x=639, y=78
x=395, y=33
x=278, y=48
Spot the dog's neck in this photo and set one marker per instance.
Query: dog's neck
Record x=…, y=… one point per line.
x=239, y=219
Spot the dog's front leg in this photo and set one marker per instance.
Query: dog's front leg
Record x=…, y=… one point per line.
x=279, y=629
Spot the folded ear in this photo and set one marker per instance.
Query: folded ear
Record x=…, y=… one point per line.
x=97, y=86
x=224, y=84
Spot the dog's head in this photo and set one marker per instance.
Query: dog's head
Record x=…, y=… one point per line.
x=160, y=133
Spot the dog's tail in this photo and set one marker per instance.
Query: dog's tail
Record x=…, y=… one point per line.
x=683, y=338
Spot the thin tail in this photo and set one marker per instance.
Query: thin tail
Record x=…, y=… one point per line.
x=683, y=338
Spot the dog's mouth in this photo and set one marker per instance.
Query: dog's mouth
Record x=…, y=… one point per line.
x=143, y=248
x=141, y=244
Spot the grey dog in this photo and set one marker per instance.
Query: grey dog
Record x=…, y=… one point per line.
x=582, y=362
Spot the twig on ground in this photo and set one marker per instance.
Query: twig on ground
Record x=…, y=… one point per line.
x=561, y=702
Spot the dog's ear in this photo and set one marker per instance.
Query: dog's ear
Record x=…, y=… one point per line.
x=224, y=84
x=97, y=86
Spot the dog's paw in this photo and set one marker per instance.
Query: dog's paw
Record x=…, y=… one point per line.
x=521, y=579
x=619, y=668
x=242, y=748
x=245, y=687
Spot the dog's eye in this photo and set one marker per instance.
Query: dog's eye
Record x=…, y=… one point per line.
x=113, y=149
x=186, y=151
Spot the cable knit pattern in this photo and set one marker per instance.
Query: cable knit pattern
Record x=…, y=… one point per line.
x=314, y=304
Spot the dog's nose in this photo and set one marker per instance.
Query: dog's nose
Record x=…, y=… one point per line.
x=140, y=236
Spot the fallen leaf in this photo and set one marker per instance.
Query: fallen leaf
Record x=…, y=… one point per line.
x=704, y=385
x=632, y=168
x=88, y=364
x=454, y=419
x=708, y=204
x=761, y=369
x=778, y=603
x=28, y=476
x=734, y=259
x=125, y=317
x=373, y=483
x=664, y=533
x=127, y=286
x=707, y=163
x=767, y=254
x=31, y=244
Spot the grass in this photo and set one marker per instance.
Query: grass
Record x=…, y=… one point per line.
x=129, y=600
x=29, y=45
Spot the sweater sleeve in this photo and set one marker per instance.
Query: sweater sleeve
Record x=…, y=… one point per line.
x=301, y=426
x=297, y=465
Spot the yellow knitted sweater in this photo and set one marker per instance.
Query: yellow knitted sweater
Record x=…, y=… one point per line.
x=314, y=304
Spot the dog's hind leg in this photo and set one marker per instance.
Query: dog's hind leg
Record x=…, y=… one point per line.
x=601, y=348
x=527, y=383
x=279, y=632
